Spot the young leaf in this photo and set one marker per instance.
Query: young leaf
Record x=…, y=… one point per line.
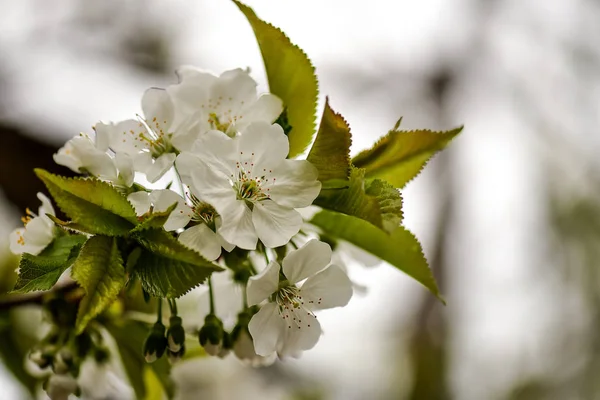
x=155, y=220
x=389, y=201
x=166, y=267
x=130, y=336
x=401, y=249
x=99, y=270
x=400, y=155
x=41, y=272
x=330, y=152
x=93, y=205
x=291, y=77
x=353, y=200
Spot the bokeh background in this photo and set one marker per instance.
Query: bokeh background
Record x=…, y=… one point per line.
x=509, y=215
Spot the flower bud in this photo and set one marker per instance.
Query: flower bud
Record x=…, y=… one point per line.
x=40, y=359
x=175, y=334
x=243, y=345
x=60, y=387
x=175, y=356
x=63, y=361
x=227, y=344
x=101, y=354
x=156, y=343
x=211, y=335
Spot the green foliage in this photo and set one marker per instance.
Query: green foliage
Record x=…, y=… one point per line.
x=389, y=201
x=130, y=336
x=167, y=268
x=155, y=219
x=99, y=270
x=401, y=249
x=94, y=205
x=41, y=272
x=291, y=77
x=330, y=152
x=400, y=155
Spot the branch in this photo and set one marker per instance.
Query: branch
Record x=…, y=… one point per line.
x=15, y=300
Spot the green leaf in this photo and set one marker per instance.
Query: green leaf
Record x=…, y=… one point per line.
x=401, y=249
x=99, y=270
x=154, y=220
x=93, y=205
x=130, y=336
x=41, y=272
x=400, y=155
x=291, y=77
x=389, y=201
x=330, y=152
x=166, y=267
x=353, y=200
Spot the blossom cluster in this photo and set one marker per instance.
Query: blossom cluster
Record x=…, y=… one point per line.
x=211, y=148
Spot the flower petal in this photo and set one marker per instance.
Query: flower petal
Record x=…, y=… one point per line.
x=299, y=336
x=309, y=259
x=38, y=234
x=211, y=187
x=275, y=225
x=236, y=84
x=125, y=136
x=327, y=289
x=124, y=164
x=158, y=110
x=185, y=163
x=160, y=166
x=140, y=202
x=295, y=184
x=237, y=227
x=162, y=199
x=217, y=150
x=263, y=145
x=266, y=108
x=46, y=207
x=261, y=286
x=266, y=327
x=202, y=239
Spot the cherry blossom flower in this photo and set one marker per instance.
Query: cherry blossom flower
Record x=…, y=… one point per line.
x=38, y=231
x=227, y=103
x=287, y=324
x=150, y=142
x=160, y=200
x=251, y=184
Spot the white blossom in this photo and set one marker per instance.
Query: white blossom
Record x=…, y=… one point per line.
x=160, y=200
x=151, y=142
x=227, y=103
x=243, y=349
x=82, y=154
x=251, y=184
x=38, y=231
x=287, y=324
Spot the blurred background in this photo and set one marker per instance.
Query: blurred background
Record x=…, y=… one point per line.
x=509, y=215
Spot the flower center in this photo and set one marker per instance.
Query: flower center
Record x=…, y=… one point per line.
x=248, y=185
x=159, y=141
x=203, y=212
x=27, y=218
x=291, y=307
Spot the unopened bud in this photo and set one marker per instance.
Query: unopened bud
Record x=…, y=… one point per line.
x=63, y=361
x=175, y=356
x=156, y=343
x=40, y=359
x=175, y=334
x=211, y=335
x=101, y=355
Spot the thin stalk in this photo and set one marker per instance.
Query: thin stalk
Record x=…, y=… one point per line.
x=211, y=296
x=159, y=315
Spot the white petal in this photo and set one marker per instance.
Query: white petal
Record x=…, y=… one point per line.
x=46, y=207
x=160, y=167
x=300, y=334
x=158, y=109
x=224, y=243
x=101, y=165
x=266, y=327
x=235, y=84
x=67, y=157
x=263, y=145
x=162, y=199
x=211, y=187
x=140, y=202
x=125, y=136
x=275, y=225
x=261, y=286
x=38, y=234
x=237, y=227
x=17, y=244
x=295, y=184
x=202, y=239
x=267, y=108
x=185, y=163
x=124, y=164
x=327, y=289
x=309, y=259
x=218, y=151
